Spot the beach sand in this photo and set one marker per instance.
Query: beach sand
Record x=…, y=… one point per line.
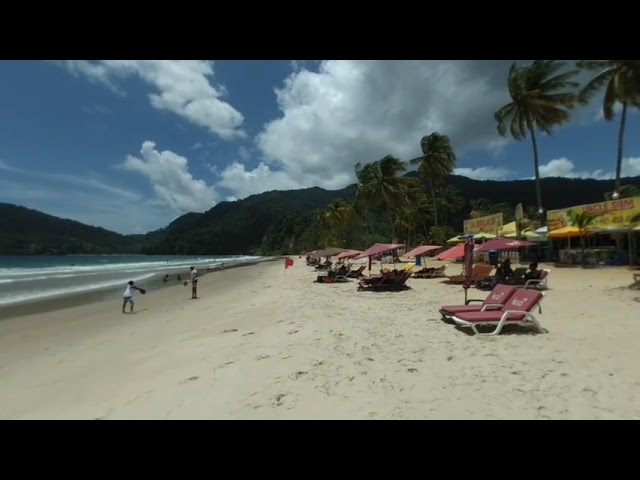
x=262, y=343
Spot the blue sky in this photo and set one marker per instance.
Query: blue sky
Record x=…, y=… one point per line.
x=130, y=145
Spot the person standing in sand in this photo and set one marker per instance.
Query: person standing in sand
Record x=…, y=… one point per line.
x=128, y=296
x=194, y=282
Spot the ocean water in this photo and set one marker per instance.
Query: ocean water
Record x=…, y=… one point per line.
x=26, y=279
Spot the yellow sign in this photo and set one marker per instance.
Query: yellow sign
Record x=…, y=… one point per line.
x=489, y=224
x=615, y=214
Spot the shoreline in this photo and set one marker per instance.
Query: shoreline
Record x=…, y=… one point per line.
x=153, y=284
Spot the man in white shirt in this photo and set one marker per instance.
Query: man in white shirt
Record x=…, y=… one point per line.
x=194, y=282
x=127, y=297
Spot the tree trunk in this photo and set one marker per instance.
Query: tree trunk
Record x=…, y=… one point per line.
x=536, y=167
x=623, y=121
x=582, y=246
x=433, y=199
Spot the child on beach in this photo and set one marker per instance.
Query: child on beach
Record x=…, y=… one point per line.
x=194, y=282
x=128, y=296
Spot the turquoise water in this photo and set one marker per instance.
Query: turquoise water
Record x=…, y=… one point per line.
x=34, y=277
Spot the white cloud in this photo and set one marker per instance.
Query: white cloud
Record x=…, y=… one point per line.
x=169, y=175
x=244, y=182
x=563, y=167
x=360, y=111
x=483, y=173
x=183, y=88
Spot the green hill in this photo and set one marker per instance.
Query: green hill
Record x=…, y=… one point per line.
x=266, y=223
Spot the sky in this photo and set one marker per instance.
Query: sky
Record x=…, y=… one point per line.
x=130, y=145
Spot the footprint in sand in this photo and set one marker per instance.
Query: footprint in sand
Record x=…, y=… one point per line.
x=297, y=375
x=291, y=332
x=245, y=334
x=285, y=400
x=230, y=331
x=263, y=357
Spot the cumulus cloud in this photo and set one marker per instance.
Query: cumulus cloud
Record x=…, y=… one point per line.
x=563, y=167
x=172, y=183
x=359, y=111
x=244, y=182
x=483, y=173
x=183, y=87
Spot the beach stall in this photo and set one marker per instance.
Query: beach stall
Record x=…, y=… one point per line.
x=610, y=237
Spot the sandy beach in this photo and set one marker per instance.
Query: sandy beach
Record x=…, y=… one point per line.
x=262, y=343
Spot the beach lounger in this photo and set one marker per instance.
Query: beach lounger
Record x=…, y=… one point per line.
x=636, y=280
x=494, y=301
x=386, y=282
x=432, y=273
x=477, y=273
x=539, y=282
x=356, y=273
x=517, y=311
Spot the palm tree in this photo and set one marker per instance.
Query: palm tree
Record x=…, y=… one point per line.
x=437, y=160
x=583, y=221
x=365, y=199
x=449, y=201
x=540, y=99
x=382, y=185
x=622, y=80
x=479, y=207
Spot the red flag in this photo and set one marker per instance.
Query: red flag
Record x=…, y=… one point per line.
x=288, y=262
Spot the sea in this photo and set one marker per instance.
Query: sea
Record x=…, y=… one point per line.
x=28, y=279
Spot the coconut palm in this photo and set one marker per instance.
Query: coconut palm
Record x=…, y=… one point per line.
x=437, y=160
x=540, y=99
x=381, y=185
x=364, y=200
x=622, y=80
x=449, y=201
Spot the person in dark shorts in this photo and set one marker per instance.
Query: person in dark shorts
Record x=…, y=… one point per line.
x=194, y=282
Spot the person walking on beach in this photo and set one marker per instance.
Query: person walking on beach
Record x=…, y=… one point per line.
x=128, y=296
x=194, y=282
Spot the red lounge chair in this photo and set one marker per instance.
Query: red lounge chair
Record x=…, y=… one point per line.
x=495, y=301
x=517, y=311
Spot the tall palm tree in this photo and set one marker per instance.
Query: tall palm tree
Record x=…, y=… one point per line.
x=622, y=80
x=449, y=201
x=382, y=185
x=364, y=200
x=437, y=160
x=540, y=99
